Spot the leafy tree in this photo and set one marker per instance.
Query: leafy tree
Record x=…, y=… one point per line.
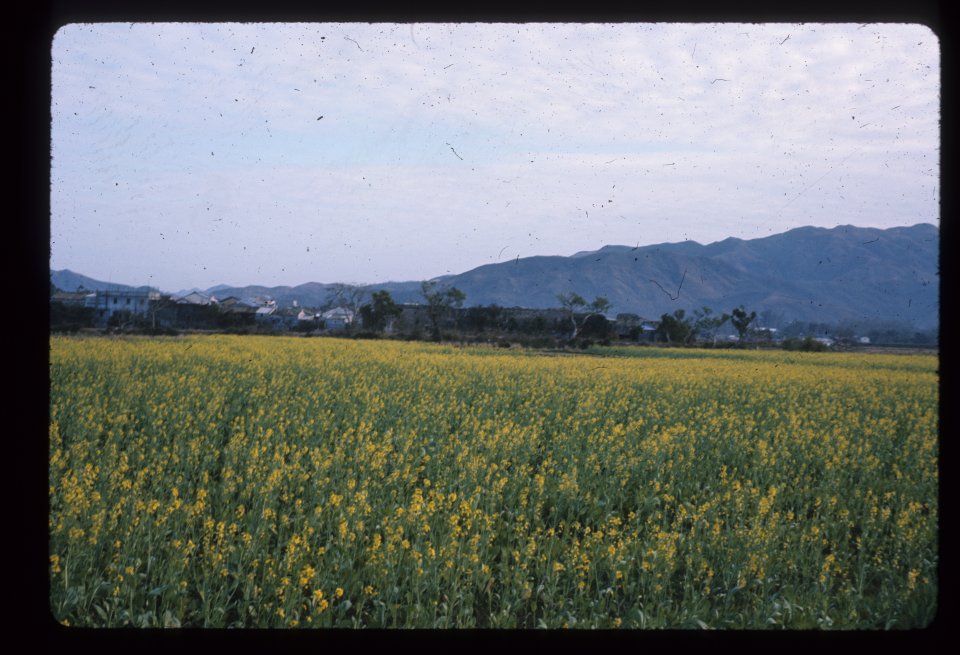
x=741, y=321
x=706, y=323
x=808, y=344
x=482, y=318
x=674, y=328
x=596, y=326
x=440, y=304
x=455, y=298
x=70, y=318
x=536, y=325
x=379, y=311
x=573, y=303
x=601, y=305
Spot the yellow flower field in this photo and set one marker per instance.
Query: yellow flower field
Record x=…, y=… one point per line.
x=287, y=482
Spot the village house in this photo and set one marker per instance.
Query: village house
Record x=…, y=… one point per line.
x=282, y=318
x=766, y=334
x=234, y=305
x=197, y=298
x=337, y=318
x=265, y=312
x=635, y=327
x=108, y=303
x=227, y=302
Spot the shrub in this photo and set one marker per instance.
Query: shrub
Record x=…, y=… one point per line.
x=807, y=344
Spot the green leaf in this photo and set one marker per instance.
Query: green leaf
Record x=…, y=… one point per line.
x=169, y=620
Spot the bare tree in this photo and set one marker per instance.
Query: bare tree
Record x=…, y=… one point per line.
x=157, y=305
x=706, y=324
x=348, y=296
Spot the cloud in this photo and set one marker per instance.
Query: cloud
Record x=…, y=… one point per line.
x=402, y=151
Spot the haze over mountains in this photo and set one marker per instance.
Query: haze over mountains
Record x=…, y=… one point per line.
x=823, y=275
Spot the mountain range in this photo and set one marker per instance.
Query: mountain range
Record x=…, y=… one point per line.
x=67, y=280
x=814, y=274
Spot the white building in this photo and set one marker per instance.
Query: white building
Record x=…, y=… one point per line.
x=107, y=303
x=337, y=318
x=264, y=313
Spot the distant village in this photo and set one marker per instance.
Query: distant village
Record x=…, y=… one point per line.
x=128, y=310
x=150, y=312
x=197, y=310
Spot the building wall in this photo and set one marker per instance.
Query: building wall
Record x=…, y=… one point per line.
x=107, y=303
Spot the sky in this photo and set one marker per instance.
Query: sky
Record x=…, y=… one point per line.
x=195, y=154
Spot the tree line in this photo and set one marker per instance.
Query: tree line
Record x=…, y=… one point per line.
x=583, y=319
x=574, y=321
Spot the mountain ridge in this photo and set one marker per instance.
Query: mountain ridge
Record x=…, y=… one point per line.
x=806, y=273
x=67, y=280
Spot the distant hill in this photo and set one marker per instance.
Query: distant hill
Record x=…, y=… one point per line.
x=67, y=280
x=807, y=274
x=310, y=294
